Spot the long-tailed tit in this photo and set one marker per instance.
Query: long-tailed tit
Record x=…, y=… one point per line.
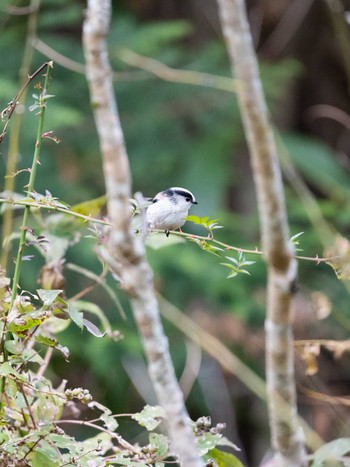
x=169, y=209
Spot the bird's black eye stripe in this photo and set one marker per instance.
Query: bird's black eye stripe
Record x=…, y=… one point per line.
x=154, y=200
x=185, y=194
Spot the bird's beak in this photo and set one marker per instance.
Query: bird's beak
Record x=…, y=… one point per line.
x=194, y=202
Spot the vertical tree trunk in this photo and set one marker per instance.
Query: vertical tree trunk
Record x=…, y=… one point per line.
x=287, y=436
x=126, y=254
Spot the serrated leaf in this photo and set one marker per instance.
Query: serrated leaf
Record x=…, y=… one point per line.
x=150, y=417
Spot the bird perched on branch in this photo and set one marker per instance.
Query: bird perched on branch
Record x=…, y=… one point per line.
x=169, y=208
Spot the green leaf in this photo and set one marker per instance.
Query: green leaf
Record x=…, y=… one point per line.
x=195, y=219
x=64, y=351
x=106, y=416
x=3, y=438
x=226, y=442
x=75, y=315
x=14, y=346
x=40, y=459
x=295, y=238
x=6, y=369
x=27, y=321
x=101, y=441
x=120, y=459
x=48, y=296
x=150, y=417
x=207, y=246
x=232, y=274
x=92, y=328
x=110, y=291
x=207, y=441
x=243, y=271
x=223, y=459
x=233, y=260
x=160, y=442
x=331, y=452
x=84, y=305
x=50, y=342
x=209, y=224
x=92, y=207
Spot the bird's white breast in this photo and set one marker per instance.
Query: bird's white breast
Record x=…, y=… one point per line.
x=164, y=214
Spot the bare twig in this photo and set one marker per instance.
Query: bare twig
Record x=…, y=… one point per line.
x=93, y=220
x=167, y=73
x=78, y=67
x=127, y=252
x=7, y=112
x=287, y=437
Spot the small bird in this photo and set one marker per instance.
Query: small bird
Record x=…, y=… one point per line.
x=169, y=209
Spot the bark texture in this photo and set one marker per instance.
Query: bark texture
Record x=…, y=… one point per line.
x=126, y=253
x=287, y=436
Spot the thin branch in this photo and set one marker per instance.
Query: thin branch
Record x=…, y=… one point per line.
x=54, y=208
x=114, y=435
x=167, y=73
x=316, y=259
x=287, y=436
x=126, y=251
x=78, y=67
x=7, y=112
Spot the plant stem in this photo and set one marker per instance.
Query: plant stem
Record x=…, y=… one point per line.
x=22, y=241
x=30, y=186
